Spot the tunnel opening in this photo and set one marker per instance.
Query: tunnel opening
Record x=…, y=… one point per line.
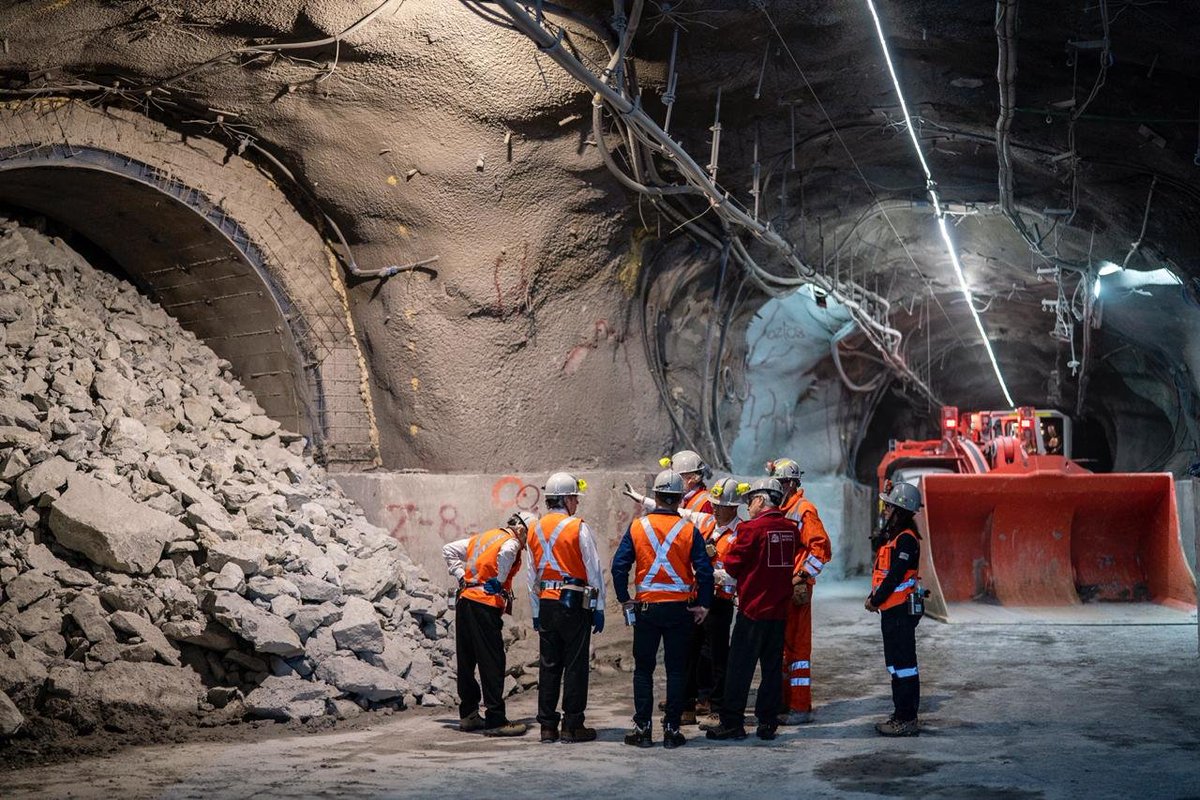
x=213, y=240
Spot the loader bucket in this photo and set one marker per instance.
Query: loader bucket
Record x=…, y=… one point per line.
x=1053, y=538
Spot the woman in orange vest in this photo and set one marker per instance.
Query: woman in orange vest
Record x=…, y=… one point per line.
x=814, y=553
x=895, y=595
x=484, y=565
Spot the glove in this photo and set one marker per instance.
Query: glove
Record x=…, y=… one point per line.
x=801, y=593
x=698, y=614
x=722, y=578
x=493, y=586
x=632, y=495
x=597, y=621
x=536, y=624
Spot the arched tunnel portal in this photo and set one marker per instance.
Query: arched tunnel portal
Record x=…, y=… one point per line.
x=216, y=243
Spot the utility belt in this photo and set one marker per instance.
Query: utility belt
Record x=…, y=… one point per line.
x=508, y=596
x=573, y=593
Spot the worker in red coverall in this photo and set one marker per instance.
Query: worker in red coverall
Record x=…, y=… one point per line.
x=813, y=554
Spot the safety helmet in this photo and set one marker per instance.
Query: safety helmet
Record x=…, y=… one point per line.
x=561, y=484
x=785, y=469
x=521, y=519
x=668, y=482
x=728, y=492
x=769, y=486
x=903, y=495
x=684, y=461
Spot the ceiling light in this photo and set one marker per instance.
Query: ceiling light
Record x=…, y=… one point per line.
x=931, y=187
x=1109, y=268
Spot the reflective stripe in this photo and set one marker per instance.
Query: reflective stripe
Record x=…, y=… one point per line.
x=481, y=547
x=662, y=560
x=799, y=665
x=813, y=565
x=801, y=681
x=906, y=673
x=908, y=584
x=891, y=669
x=548, y=559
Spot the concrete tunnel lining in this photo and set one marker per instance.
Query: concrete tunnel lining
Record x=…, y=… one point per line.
x=217, y=244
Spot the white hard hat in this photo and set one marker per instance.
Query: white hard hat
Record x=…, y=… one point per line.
x=668, y=482
x=685, y=461
x=785, y=469
x=903, y=495
x=768, y=486
x=523, y=519
x=728, y=492
x=561, y=484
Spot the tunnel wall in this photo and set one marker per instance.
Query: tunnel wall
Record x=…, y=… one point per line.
x=271, y=301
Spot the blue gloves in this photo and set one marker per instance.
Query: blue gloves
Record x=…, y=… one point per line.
x=493, y=586
x=536, y=625
x=597, y=621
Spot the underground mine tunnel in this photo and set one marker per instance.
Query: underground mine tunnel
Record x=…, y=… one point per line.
x=299, y=296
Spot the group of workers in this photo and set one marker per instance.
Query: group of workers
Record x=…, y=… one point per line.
x=721, y=593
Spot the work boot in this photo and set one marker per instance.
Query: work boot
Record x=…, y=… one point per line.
x=507, y=729
x=766, y=732
x=549, y=734
x=580, y=734
x=472, y=722
x=723, y=733
x=794, y=718
x=687, y=718
x=703, y=708
x=895, y=727
x=711, y=722
x=639, y=736
x=672, y=738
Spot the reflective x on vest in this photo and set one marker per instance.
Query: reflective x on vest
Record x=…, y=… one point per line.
x=662, y=560
x=481, y=545
x=548, y=559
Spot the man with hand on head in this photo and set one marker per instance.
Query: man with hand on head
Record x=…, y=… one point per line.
x=566, y=590
x=484, y=565
x=670, y=563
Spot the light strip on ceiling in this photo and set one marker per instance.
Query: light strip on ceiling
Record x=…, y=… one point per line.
x=931, y=187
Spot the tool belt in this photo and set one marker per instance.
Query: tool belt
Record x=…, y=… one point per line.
x=509, y=597
x=573, y=593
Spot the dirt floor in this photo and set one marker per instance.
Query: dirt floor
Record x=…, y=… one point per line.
x=1009, y=712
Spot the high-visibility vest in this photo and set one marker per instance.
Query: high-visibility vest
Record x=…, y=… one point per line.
x=883, y=563
x=554, y=546
x=723, y=541
x=482, y=564
x=662, y=545
x=815, y=547
x=698, y=500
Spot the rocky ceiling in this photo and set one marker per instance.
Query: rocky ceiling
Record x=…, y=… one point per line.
x=571, y=319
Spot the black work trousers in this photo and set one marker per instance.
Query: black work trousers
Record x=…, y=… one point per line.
x=564, y=639
x=754, y=642
x=699, y=669
x=479, y=643
x=671, y=625
x=900, y=654
x=716, y=647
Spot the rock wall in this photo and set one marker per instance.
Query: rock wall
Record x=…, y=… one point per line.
x=166, y=550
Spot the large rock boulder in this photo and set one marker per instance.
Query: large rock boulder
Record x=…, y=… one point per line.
x=11, y=718
x=359, y=629
x=289, y=697
x=265, y=632
x=122, y=693
x=353, y=676
x=111, y=529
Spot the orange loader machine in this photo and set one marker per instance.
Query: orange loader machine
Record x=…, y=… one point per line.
x=1009, y=519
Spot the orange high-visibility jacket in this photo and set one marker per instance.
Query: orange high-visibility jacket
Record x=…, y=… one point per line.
x=883, y=563
x=815, y=547
x=554, y=546
x=662, y=546
x=698, y=500
x=723, y=540
x=481, y=565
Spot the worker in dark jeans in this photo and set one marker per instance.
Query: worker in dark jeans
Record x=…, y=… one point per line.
x=761, y=561
x=670, y=562
x=896, y=596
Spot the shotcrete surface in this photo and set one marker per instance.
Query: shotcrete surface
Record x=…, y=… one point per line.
x=1009, y=712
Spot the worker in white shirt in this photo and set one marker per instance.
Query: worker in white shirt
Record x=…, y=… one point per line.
x=484, y=566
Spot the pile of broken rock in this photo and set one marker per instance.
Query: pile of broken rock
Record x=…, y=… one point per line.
x=165, y=550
